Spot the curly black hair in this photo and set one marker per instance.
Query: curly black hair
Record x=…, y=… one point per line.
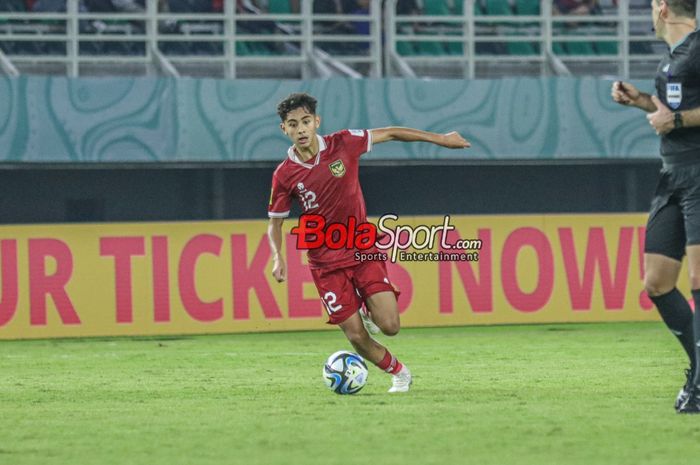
x=294, y=101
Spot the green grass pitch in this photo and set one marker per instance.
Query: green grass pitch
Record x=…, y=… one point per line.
x=547, y=394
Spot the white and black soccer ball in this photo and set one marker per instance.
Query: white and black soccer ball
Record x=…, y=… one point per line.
x=345, y=372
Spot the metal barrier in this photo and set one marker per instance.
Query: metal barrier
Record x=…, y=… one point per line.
x=281, y=45
x=472, y=39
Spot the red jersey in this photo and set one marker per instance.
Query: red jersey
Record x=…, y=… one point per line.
x=327, y=185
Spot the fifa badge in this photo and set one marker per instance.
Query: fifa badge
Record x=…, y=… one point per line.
x=674, y=94
x=337, y=168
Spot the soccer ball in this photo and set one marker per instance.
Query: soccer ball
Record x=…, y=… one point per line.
x=345, y=372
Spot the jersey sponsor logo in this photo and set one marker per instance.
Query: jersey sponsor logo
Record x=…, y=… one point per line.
x=674, y=94
x=357, y=132
x=337, y=168
x=666, y=68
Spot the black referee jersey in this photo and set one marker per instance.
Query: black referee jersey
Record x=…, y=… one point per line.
x=678, y=86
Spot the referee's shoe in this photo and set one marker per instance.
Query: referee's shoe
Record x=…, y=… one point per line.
x=692, y=403
x=684, y=393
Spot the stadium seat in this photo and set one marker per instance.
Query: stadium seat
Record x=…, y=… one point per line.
x=459, y=8
x=579, y=48
x=436, y=8
x=527, y=7
x=498, y=7
x=606, y=48
x=558, y=48
x=404, y=48
x=279, y=6
x=522, y=48
x=430, y=48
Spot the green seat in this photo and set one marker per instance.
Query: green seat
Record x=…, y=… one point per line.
x=498, y=7
x=242, y=49
x=252, y=49
x=459, y=8
x=436, y=8
x=279, y=6
x=521, y=48
x=404, y=48
x=454, y=48
x=527, y=7
x=260, y=48
x=430, y=48
x=580, y=48
x=606, y=48
x=558, y=48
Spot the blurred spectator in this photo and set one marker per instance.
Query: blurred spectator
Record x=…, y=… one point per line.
x=576, y=7
x=279, y=6
x=193, y=6
x=361, y=27
x=126, y=6
x=407, y=7
x=13, y=5
x=54, y=6
x=329, y=7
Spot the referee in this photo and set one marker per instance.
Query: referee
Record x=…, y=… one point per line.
x=673, y=227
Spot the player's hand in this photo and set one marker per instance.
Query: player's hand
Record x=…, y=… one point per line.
x=625, y=93
x=279, y=269
x=662, y=119
x=452, y=140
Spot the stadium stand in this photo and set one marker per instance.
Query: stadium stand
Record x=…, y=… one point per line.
x=309, y=38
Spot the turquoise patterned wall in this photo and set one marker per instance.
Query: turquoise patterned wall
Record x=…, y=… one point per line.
x=57, y=119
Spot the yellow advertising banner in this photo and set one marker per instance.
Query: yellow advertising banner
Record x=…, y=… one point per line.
x=214, y=277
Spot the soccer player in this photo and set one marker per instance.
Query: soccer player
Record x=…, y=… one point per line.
x=673, y=227
x=322, y=173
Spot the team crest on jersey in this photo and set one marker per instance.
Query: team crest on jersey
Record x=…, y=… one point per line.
x=337, y=168
x=674, y=94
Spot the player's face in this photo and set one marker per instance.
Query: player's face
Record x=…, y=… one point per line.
x=301, y=127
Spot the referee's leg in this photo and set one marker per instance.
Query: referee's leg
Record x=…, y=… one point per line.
x=664, y=249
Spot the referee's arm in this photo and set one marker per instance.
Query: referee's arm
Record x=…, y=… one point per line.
x=691, y=118
x=625, y=93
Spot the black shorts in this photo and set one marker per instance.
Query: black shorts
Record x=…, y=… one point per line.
x=674, y=219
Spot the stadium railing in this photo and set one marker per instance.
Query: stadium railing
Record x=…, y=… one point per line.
x=226, y=44
x=470, y=38
x=450, y=38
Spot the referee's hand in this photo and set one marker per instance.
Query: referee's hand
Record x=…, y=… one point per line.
x=624, y=93
x=662, y=119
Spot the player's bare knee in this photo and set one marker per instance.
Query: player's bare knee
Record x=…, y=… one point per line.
x=655, y=286
x=358, y=339
x=391, y=328
x=694, y=280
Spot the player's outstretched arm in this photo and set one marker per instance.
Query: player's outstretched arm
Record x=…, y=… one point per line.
x=451, y=140
x=625, y=93
x=274, y=236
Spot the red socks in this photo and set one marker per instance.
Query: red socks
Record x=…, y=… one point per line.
x=390, y=364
